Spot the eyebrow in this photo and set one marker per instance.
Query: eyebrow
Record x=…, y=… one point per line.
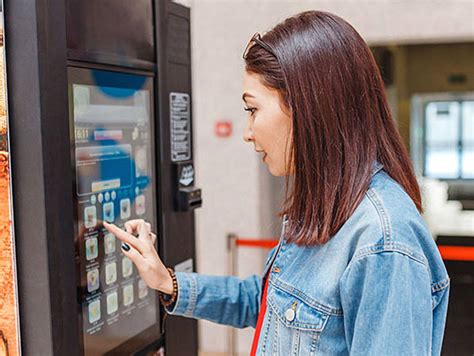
x=245, y=95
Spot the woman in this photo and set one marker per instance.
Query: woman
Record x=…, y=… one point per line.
x=356, y=270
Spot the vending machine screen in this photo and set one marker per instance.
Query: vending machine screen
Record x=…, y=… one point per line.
x=112, y=150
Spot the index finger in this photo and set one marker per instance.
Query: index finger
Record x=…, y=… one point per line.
x=124, y=236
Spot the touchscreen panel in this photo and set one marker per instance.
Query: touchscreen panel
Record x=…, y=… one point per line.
x=114, y=181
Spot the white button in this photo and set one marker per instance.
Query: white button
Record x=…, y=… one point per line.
x=290, y=314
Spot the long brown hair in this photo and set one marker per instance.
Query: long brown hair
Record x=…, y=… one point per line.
x=329, y=81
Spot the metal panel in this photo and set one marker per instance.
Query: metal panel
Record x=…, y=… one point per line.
x=37, y=88
x=177, y=244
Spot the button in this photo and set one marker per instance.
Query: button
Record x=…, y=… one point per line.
x=290, y=314
x=276, y=269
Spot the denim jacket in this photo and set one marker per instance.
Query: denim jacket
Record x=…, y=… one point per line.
x=378, y=287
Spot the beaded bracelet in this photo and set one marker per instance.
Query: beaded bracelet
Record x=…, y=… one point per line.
x=164, y=298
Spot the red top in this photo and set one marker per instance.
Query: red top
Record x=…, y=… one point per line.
x=261, y=315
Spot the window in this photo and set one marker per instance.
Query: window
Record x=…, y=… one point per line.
x=449, y=139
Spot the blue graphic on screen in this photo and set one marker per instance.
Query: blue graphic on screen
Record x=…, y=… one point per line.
x=102, y=168
x=128, y=84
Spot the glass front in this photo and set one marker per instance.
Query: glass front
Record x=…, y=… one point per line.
x=468, y=140
x=449, y=139
x=442, y=135
x=113, y=168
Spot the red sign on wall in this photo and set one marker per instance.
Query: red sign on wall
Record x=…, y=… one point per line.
x=223, y=128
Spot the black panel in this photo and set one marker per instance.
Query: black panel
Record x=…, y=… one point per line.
x=37, y=98
x=454, y=240
x=463, y=191
x=460, y=321
x=178, y=40
x=174, y=75
x=117, y=32
x=458, y=338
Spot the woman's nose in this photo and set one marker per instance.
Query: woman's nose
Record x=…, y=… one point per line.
x=247, y=138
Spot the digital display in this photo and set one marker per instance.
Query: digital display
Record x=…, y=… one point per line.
x=103, y=168
x=114, y=181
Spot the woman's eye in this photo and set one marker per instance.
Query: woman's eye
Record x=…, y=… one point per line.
x=250, y=110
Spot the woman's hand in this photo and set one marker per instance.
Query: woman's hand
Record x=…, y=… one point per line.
x=138, y=244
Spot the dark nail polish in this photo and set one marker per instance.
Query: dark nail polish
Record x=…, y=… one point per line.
x=125, y=246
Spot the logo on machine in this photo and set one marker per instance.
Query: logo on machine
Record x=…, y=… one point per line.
x=187, y=175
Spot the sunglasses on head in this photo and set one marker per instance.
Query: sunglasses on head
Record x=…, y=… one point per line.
x=257, y=39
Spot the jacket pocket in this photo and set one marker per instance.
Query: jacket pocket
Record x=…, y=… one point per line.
x=293, y=327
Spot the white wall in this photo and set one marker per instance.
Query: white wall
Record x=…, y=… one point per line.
x=239, y=194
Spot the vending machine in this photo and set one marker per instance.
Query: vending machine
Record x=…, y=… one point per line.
x=101, y=130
